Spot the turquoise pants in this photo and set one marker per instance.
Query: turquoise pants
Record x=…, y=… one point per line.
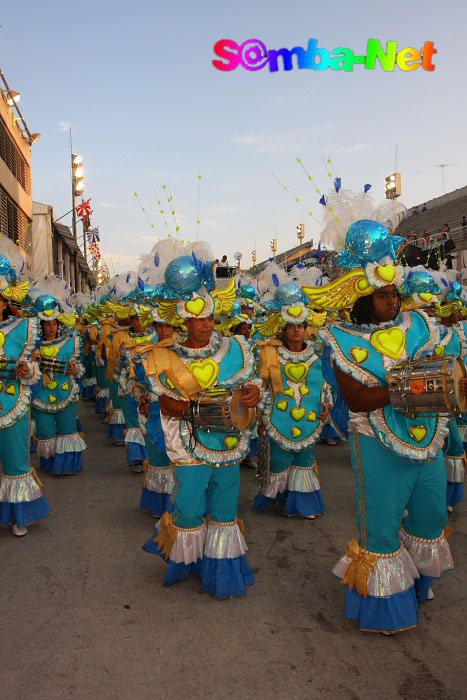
x=48, y=425
x=191, y=482
x=101, y=378
x=116, y=399
x=387, y=485
x=281, y=460
x=14, y=447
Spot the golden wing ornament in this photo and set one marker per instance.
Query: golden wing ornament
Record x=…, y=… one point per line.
x=340, y=294
x=68, y=319
x=119, y=310
x=271, y=326
x=168, y=312
x=224, y=298
x=16, y=292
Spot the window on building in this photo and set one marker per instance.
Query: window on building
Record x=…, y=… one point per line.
x=14, y=224
x=14, y=159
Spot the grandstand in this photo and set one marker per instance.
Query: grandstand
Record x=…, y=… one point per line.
x=448, y=209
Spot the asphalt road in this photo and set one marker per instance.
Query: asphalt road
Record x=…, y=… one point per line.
x=84, y=614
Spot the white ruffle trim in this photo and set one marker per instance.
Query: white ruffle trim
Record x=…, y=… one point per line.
x=455, y=469
x=189, y=545
x=462, y=431
x=431, y=557
x=278, y=484
x=21, y=489
x=70, y=443
x=32, y=427
x=116, y=417
x=34, y=374
x=224, y=541
x=134, y=435
x=159, y=479
x=89, y=381
x=390, y=575
x=46, y=448
x=401, y=447
x=302, y=480
x=19, y=409
x=102, y=394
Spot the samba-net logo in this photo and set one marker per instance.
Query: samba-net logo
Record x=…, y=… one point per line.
x=253, y=55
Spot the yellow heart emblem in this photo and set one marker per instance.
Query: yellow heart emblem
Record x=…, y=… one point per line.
x=386, y=273
x=48, y=312
x=390, y=342
x=10, y=389
x=142, y=339
x=52, y=385
x=439, y=350
x=282, y=405
x=52, y=398
x=289, y=391
x=49, y=351
x=230, y=441
x=359, y=355
x=296, y=371
x=2, y=339
x=425, y=296
x=205, y=372
x=169, y=383
x=1, y=386
x=65, y=386
x=297, y=413
x=295, y=311
x=312, y=417
x=296, y=432
x=195, y=306
x=418, y=432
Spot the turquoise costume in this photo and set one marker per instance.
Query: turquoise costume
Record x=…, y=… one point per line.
x=59, y=445
x=21, y=500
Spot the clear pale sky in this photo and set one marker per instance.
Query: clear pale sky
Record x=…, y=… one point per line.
x=147, y=108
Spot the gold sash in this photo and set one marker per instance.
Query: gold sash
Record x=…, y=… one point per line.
x=160, y=359
x=269, y=369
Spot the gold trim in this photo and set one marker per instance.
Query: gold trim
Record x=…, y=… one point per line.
x=422, y=539
x=361, y=484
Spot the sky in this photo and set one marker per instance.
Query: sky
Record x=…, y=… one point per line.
x=147, y=108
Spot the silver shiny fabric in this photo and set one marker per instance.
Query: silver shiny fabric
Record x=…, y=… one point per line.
x=134, y=435
x=224, y=542
x=390, y=575
x=189, y=545
x=102, y=394
x=159, y=479
x=359, y=423
x=45, y=448
x=176, y=451
x=69, y=443
x=302, y=480
x=431, y=557
x=117, y=417
x=455, y=469
x=278, y=484
x=19, y=490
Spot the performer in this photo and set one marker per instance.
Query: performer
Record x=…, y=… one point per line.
x=295, y=407
x=202, y=460
x=59, y=445
x=21, y=500
x=398, y=460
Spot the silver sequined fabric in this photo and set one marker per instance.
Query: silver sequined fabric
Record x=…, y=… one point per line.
x=302, y=480
x=159, y=479
x=431, y=558
x=20, y=490
x=455, y=469
x=390, y=575
x=224, y=542
x=70, y=443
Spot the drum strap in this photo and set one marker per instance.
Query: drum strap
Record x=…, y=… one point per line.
x=162, y=360
x=270, y=369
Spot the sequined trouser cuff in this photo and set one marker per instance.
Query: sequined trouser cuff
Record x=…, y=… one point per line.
x=431, y=557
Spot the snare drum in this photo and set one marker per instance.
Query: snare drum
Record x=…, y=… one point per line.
x=431, y=385
x=222, y=412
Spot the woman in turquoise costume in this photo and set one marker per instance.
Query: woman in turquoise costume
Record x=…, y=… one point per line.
x=59, y=445
x=215, y=550
x=397, y=459
x=21, y=500
x=295, y=406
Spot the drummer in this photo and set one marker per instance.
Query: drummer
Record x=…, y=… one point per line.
x=398, y=460
x=214, y=551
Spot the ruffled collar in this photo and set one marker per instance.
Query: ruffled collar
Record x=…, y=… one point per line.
x=370, y=327
x=210, y=349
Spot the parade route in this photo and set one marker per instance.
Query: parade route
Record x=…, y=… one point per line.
x=84, y=614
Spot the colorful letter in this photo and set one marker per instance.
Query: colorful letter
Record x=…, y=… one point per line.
x=428, y=51
x=286, y=55
x=406, y=55
x=313, y=52
x=232, y=58
x=346, y=62
x=375, y=51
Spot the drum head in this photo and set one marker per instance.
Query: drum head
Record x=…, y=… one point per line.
x=459, y=373
x=241, y=416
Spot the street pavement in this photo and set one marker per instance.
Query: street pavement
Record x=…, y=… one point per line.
x=84, y=614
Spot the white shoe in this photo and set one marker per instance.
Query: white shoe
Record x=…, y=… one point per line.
x=119, y=443
x=331, y=441
x=430, y=595
x=137, y=468
x=450, y=509
x=310, y=517
x=19, y=531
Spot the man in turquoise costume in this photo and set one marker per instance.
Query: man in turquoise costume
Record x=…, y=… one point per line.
x=203, y=364
x=397, y=459
x=21, y=500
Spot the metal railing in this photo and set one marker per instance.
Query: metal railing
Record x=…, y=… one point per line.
x=457, y=234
